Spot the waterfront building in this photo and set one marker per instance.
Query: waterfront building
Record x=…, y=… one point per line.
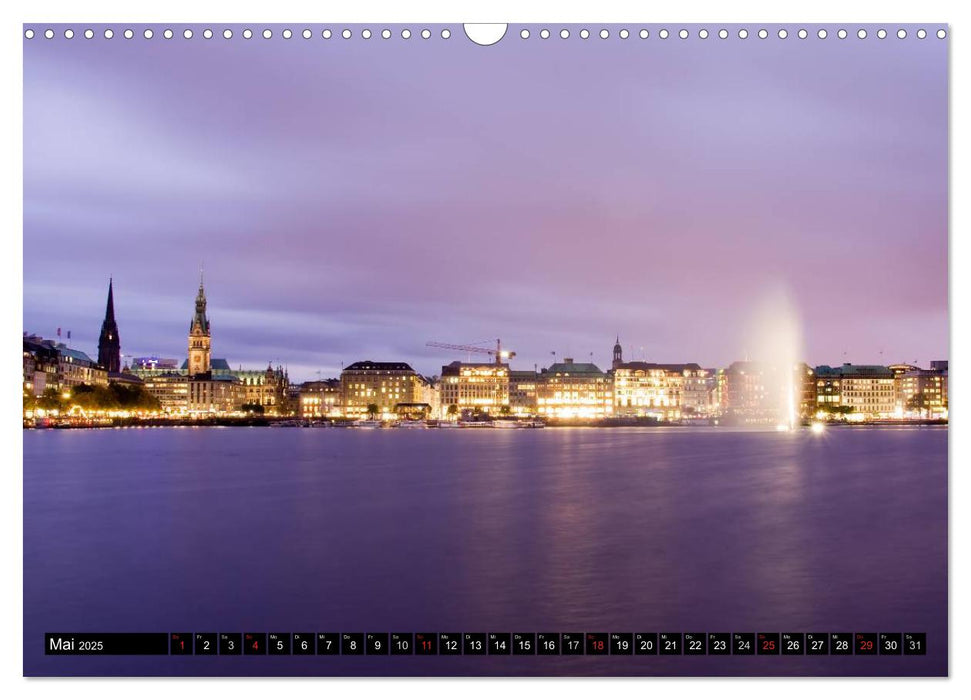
x=569, y=390
x=74, y=367
x=941, y=366
x=214, y=395
x=171, y=390
x=40, y=365
x=762, y=392
x=828, y=387
x=805, y=383
x=523, y=392
x=859, y=392
x=109, y=344
x=922, y=393
x=647, y=389
x=53, y=365
x=267, y=389
x=431, y=394
x=474, y=387
x=719, y=388
x=898, y=370
x=320, y=399
x=376, y=388
x=697, y=395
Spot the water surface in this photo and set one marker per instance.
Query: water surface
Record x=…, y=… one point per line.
x=562, y=530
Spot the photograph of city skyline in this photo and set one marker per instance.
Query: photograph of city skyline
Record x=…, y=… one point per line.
x=595, y=329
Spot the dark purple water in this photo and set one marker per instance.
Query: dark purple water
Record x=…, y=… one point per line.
x=583, y=530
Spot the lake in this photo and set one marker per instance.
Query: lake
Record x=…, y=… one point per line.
x=559, y=530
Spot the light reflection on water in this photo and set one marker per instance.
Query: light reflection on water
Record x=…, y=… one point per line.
x=633, y=529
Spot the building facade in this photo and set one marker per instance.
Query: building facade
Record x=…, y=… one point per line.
x=75, y=367
x=474, y=387
x=267, y=389
x=200, y=337
x=763, y=392
x=857, y=392
x=209, y=395
x=922, y=393
x=523, y=392
x=574, y=390
x=320, y=399
x=171, y=390
x=660, y=391
x=374, y=389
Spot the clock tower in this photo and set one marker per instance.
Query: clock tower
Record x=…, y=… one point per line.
x=199, y=336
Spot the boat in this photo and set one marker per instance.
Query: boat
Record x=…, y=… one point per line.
x=444, y=424
x=411, y=424
x=475, y=424
x=366, y=424
x=507, y=423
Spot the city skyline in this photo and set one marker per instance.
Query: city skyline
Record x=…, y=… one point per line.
x=334, y=231
x=630, y=352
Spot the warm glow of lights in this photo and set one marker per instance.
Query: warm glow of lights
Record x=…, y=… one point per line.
x=817, y=428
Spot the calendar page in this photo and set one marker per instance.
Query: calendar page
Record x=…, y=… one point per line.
x=485, y=350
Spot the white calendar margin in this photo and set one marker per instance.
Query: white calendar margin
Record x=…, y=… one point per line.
x=889, y=12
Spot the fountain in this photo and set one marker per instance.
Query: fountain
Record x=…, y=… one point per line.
x=774, y=342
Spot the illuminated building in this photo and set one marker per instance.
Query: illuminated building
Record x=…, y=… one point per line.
x=431, y=395
x=320, y=399
x=471, y=386
x=762, y=392
x=697, y=395
x=153, y=364
x=922, y=393
x=805, y=377
x=214, y=395
x=109, y=344
x=200, y=336
x=571, y=389
x=523, y=392
x=861, y=392
x=171, y=390
x=40, y=365
x=378, y=386
x=266, y=388
x=647, y=389
x=75, y=367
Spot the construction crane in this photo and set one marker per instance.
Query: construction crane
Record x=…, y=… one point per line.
x=498, y=352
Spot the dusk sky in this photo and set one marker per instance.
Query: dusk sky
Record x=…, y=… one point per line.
x=353, y=199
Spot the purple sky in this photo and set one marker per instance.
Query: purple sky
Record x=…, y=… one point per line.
x=353, y=199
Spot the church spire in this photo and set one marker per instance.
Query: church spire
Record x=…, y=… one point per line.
x=109, y=344
x=110, y=309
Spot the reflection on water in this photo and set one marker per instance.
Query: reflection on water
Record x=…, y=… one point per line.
x=554, y=530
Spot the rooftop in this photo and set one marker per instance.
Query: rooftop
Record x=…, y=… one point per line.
x=646, y=366
x=573, y=368
x=369, y=365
